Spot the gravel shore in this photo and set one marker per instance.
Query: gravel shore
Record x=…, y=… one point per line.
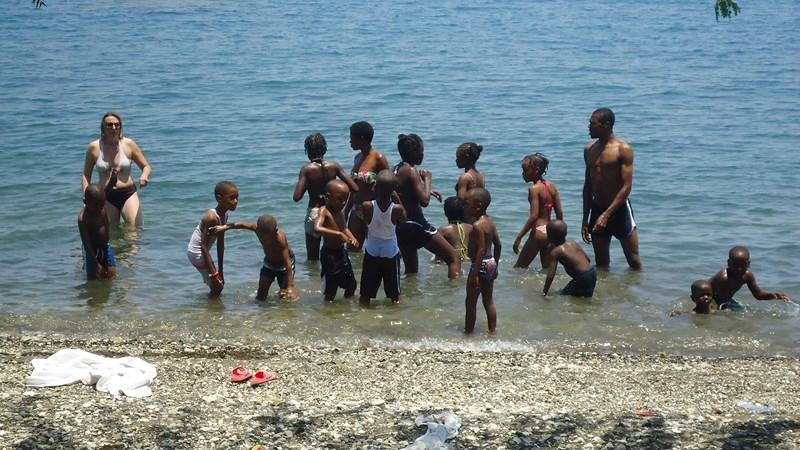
x=368, y=398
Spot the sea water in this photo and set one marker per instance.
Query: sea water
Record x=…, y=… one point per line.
x=225, y=90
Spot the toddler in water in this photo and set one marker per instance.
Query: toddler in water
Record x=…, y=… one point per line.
x=729, y=280
x=313, y=178
x=483, y=271
x=575, y=261
x=702, y=298
x=93, y=224
x=456, y=232
x=278, y=256
x=381, y=253
x=336, y=268
x=543, y=199
x=198, y=250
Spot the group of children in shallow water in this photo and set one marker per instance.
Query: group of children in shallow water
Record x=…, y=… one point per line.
x=380, y=210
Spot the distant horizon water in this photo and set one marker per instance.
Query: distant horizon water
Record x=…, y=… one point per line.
x=217, y=90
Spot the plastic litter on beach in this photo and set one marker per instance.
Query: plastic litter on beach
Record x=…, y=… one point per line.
x=755, y=408
x=440, y=428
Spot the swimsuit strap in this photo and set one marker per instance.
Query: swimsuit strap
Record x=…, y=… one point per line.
x=548, y=203
x=398, y=166
x=321, y=200
x=462, y=251
x=324, y=172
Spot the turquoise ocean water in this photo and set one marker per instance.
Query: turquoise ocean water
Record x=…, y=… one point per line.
x=216, y=90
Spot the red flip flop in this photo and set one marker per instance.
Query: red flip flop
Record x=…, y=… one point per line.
x=240, y=373
x=262, y=377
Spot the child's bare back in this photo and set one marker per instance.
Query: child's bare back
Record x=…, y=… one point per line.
x=572, y=256
x=574, y=259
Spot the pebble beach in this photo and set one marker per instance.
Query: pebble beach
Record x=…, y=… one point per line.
x=368, y=398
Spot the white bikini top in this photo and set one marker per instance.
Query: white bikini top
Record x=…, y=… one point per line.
x=103, y=166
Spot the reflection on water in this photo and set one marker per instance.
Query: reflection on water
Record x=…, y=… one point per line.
x=95, y=292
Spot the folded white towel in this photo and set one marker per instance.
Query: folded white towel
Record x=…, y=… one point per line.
x=130, y=376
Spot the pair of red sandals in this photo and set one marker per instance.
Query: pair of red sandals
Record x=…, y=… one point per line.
x=241, y=374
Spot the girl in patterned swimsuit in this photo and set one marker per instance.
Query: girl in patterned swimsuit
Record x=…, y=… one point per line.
x=543, y=198
x=366, y=166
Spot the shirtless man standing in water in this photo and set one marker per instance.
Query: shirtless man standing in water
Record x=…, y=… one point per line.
x=609, y=177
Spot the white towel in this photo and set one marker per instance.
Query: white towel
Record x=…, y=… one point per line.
x=130, y=376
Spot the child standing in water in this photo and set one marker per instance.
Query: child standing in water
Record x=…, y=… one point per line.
x=337, y=272
x=543, y=199
x=456, y=232
x=467, y=155
x=484, y=251
x=313, y=178
x=381, y=253
x=198, y=250
x=367, y=163
x=702, y=297
x=414, y=190
x=93, y=224
x=729, y=280
x=278, y=256
x=575, y=261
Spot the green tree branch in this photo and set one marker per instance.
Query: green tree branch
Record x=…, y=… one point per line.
x=726, y=8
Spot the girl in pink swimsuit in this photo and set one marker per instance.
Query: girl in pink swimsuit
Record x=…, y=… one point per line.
x=543, y=198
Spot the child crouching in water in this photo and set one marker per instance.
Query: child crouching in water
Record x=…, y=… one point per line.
x=574, y=259
x=93, y=224
x=336, y=268
x=484, y=251
x=381, y=253
x=456, y=232
x=702, y=297
x=278, y=256
x=727, y=282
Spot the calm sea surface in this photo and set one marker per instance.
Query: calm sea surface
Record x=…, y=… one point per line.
x=215, y=90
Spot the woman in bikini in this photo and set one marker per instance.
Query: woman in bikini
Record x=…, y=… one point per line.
x=414, y=190
x=543, y=198
x=467, y=155
x=313, y=178
x=112, y=156
x=366, y=166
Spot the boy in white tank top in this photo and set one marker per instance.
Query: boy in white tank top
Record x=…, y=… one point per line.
x=381, y=253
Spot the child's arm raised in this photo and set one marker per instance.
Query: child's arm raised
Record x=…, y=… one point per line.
x=421, y=185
